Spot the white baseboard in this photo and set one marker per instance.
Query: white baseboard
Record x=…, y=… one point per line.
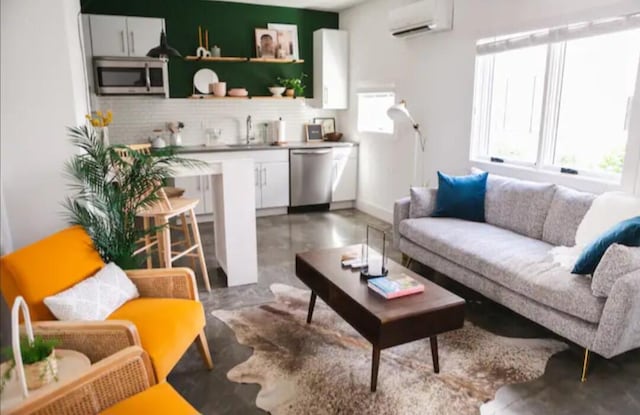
x=375, y=210
x=271, y=212
x=342, y=205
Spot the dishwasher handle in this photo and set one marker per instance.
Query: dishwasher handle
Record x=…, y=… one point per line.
x=315, y=152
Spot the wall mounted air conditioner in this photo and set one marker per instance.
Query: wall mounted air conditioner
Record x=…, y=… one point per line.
x=421, y=17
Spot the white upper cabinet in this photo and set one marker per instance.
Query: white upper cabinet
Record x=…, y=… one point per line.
x=330, y=68
x=144, y=34
x=123, y=35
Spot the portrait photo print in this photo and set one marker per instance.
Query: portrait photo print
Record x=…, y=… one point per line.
x=266, y=43
x=287, y=38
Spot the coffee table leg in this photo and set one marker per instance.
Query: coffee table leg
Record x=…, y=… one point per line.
x=434, y=354
x=375, y=363
x=312, y=304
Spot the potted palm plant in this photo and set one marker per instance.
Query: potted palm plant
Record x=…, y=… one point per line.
x=38, y=357
x=109, y=190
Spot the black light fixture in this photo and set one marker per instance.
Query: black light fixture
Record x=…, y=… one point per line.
x=164, y=50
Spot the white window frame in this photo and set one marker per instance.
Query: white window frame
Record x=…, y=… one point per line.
x=380, y=91
x=542, y=167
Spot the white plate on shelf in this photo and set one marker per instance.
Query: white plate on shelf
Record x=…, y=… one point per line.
x=202, y=79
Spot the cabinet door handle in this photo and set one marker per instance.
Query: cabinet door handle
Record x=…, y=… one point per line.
x=265, y=176
x=256, y=172
x=133, y=43
x=122, y=39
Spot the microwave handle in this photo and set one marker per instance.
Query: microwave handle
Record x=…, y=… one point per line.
x=146, y=72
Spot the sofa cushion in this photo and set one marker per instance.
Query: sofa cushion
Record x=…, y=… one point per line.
x=514, y=261
x=166, y=327
x=461, y=197
x=518, y=205
x=567, y=210
x=423, y=202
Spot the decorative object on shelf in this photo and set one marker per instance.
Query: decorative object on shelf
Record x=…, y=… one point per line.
x=216, y=52
x=109, y=191
x=157, y=141
x=287, y=38
x=32, y=357
x=203, y=78
x=328, y=124
x=375, y=263
x=176, y=129
x=277, y=91
x=400, y=113
x=238, y=92
x=219, y=89
x=203, y=51
x=314, y=132
x=163, y=50
x=295, y=86
x=100, y=121
x=266, y=43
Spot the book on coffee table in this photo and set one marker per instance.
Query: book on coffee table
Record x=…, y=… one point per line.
x=394, y=286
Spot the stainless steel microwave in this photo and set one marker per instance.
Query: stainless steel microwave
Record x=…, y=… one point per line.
x=131, y=76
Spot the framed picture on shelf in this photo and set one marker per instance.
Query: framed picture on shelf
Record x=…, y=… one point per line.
x=287, y=40
x=328, y=124
x=266, y=43
x=314, y=132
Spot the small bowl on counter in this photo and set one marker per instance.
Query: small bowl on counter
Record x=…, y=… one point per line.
x=277, y=91
x=333, y=137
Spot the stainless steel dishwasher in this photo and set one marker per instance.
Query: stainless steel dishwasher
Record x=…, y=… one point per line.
x=310, y=176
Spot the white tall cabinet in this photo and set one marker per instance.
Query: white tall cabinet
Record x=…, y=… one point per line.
x=330, y=68
x=124, y=35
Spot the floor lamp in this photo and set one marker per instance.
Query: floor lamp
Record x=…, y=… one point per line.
x=400, y=113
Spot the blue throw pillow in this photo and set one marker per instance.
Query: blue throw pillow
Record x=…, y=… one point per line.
x=626, y=233
x=461, y=197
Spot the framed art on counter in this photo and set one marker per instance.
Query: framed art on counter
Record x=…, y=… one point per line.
x=314, y=132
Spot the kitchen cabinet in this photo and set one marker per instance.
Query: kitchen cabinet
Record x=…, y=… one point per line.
x=330, y=68
x=123, y=35
x=197, y=187
x=274, y=189
x=345, y=174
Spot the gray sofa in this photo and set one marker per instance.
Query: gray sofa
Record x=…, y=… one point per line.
x=507, y=260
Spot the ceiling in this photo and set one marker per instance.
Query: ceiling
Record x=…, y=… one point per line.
x=327, y=5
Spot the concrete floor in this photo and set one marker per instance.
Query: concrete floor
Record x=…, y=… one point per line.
x=613, y=386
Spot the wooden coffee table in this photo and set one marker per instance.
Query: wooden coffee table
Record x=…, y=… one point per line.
x=384, y=323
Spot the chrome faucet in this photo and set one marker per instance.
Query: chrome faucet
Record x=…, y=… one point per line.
x=249, y=130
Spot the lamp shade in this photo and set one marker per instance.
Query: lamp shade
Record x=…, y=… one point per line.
x=164, y=49
x=399, y=112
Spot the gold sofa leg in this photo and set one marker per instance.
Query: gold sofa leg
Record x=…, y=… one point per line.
x=203, y=347
x=585, y=365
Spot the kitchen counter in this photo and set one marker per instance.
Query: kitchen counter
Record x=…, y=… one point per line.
x=260, y=147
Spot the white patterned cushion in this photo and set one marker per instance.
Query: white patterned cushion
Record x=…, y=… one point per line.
x=94, y=298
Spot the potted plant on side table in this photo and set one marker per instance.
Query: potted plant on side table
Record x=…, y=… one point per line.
x=38, y=357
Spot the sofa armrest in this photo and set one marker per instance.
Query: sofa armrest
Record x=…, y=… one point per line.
x=114, y=379
x=400, y=213
x=95, y=339
x=165, y=283
x=619, y=327
x=617, y=261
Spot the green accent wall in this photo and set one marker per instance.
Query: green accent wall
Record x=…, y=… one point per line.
x=231, y=26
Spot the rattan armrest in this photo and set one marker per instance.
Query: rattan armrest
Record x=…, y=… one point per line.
x=106, y=383
x=165, y=282
x=95, y=339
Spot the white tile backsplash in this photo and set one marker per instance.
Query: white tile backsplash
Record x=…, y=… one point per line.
x=135, y=118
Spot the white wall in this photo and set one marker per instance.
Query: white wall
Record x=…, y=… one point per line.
x=42, y=93
x=434, y=74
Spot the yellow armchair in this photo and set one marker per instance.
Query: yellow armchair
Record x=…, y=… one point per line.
x=164, y=320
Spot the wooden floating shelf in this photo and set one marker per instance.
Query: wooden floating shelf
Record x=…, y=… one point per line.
x=240, y=59
x=247, y=97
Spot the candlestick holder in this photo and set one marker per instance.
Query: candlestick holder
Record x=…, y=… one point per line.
x=375, y=264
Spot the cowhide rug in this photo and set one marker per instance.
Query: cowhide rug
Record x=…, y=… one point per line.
x=325, y=367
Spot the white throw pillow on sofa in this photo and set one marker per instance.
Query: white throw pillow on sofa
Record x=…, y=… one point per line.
x=94, y=298
x=606, y=210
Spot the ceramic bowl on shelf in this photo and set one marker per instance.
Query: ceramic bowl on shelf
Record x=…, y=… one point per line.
x=238, y=92
x=277, y=91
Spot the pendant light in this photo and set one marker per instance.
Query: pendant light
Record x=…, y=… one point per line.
x=164, y=50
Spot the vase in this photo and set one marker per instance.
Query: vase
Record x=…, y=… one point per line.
x=176, y=139
x=290, y=92
x=41, y=373
x=103, y=135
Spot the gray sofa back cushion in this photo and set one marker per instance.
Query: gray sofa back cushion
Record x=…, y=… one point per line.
x=518, y=205
x=567, y=210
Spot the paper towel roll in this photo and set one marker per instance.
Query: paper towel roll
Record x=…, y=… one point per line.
x=280, y=130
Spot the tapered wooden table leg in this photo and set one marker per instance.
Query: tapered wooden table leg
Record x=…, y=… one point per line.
x=312, y=304
x=375, y=364
x=434, y=354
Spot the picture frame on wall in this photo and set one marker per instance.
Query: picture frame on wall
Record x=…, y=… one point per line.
x=328, y=124
x=313, y=132
x=287, y=40
x=266, y=43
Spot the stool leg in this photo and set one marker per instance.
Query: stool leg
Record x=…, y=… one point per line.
x=166, y=241
x=187, y=238
x=156, y=222
x=147, y=242
x=196, y=237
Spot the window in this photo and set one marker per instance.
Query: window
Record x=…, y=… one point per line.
x=372, y=112
x=558, y=99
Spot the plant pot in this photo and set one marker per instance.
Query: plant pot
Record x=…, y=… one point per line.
x=290, y=92
x=41, y=373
